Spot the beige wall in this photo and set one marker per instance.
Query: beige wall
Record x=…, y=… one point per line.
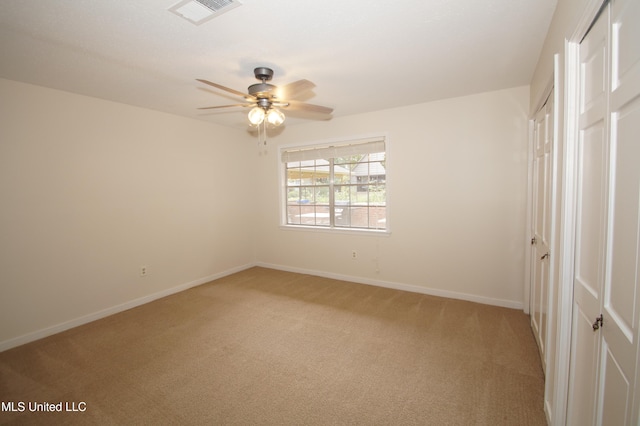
x=457, y=187
x=91, y=190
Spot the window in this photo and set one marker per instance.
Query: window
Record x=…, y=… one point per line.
x=339, y=185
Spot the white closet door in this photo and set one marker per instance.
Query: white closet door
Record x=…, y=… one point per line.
x=604, y=374
x=621, y=293
x=592, y=184
x=540, y=253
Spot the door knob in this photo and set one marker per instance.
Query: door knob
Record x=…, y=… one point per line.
x=596, y=325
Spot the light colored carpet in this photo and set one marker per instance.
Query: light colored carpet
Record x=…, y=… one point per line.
x=266, y=347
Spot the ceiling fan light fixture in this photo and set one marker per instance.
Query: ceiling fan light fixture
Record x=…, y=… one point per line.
x=256, y=115
x=265, y=99
x=275, y=117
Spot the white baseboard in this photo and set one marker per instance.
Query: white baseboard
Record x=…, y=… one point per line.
x=400, y=286
x=45, y=332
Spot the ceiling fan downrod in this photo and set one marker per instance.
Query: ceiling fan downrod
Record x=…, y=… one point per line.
x=264, y=89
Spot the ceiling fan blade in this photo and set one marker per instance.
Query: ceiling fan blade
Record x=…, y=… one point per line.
x=228, y=106
x=302, y=106
x=226, y=89
x=291, y=90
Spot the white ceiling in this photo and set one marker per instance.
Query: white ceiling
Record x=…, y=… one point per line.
x=363, y=55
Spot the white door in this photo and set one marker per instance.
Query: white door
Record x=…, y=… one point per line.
x=604, y=367
x=622, y=281
x=541, y=224
x=591, y=208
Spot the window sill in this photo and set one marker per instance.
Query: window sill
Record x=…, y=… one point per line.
x=337, y=230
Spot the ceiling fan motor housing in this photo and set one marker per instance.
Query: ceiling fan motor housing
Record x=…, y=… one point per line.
x=261, y=90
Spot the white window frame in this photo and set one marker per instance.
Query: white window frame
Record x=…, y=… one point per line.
x=327, y=143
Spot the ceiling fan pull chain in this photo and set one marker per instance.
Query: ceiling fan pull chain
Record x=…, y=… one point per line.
x=264, y=132
x=262, y=135
x=259, y=135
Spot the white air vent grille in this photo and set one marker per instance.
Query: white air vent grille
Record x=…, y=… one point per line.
x=215, y=5
x=199, y=11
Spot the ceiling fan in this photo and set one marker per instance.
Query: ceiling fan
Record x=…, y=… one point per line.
x=265, y=98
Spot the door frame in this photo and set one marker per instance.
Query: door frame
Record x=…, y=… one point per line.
x=570, y=111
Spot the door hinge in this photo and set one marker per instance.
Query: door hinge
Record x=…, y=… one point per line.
x=533, y=240
x=599, y=323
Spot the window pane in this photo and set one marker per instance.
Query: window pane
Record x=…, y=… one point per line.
x=343, y=218
x=293, y=177
x=293, y=214
x=321, y=195
x=342, y=195
x=293, y=195
x=378, y=217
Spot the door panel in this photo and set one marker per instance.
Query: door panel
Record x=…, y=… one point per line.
x=615, y=410
x=624, y=253
x=581, y=410
x=591, y=208
x=625, y=39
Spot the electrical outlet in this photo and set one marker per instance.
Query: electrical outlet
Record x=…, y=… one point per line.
x=354, y=254
x=143, y=271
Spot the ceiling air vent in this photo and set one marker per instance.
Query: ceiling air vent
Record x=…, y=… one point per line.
x=199, y=11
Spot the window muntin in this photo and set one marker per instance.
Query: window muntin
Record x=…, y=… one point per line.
x=336, y=186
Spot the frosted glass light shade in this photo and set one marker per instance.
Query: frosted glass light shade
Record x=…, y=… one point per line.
x=256, y=115
x=275, y=117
